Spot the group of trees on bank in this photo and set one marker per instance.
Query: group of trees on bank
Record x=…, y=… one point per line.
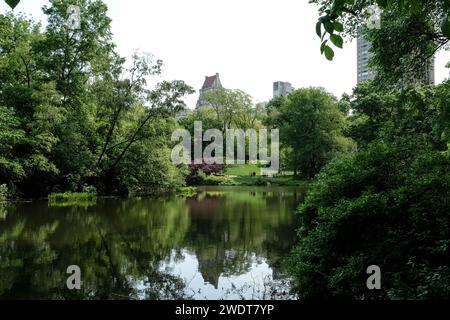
x=74, y=115
x=311, y=123
x=226, y=109
x=311, y=129
x=387, y=203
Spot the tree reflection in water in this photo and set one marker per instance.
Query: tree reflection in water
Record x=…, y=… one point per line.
x=140, y=248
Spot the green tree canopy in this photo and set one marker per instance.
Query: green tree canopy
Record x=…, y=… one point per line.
x=74, y=115
x=310, y=125
x=386, y=205
x=233, y=108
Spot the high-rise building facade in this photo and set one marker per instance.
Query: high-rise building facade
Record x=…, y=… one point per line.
x=429, y=72
x=364, y=73
x=363, y=52
x=281, y=89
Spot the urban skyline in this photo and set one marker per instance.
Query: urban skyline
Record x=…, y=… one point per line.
x=254, y=67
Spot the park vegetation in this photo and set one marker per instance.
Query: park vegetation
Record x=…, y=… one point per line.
x=311, y=123
x=76, y=115
x=387, y=203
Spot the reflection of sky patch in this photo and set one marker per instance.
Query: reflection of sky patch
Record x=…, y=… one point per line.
x=228, y=246
x=249, y=285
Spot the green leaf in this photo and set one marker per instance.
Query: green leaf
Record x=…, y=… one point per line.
x=12, y=3
x=382, y=3
x=322, y=46
x=319, y=28
x=415, y=6
x=445, y=27
x=328, y=26
x=337, y=40
x=329, y=53
x=338, y=26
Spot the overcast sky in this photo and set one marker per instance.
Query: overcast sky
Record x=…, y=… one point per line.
x=251, y=43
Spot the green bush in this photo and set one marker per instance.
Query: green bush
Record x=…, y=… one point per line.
x=186, y=191
x=3, y=192
x=260, y=181
x=83, y=199
x=388, y=205
x=89, y=189
x=216, y=180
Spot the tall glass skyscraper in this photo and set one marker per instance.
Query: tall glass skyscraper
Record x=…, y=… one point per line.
x=364, y=73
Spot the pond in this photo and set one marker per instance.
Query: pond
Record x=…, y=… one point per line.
x=223, y=243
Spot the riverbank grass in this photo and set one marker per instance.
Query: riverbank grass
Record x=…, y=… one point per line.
x=3, y=193
x=68, y=199
x=186, y=192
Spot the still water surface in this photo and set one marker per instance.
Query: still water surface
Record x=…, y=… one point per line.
x=223, y=243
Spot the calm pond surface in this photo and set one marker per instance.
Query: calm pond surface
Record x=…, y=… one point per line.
x=224, y=243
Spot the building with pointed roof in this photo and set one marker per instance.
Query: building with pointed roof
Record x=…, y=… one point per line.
x=210, y=83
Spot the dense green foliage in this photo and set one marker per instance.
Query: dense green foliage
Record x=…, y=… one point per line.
x=206, y=115
x=72, y=199
x=386, y=204
x=73, y=116
x=186, y=191
x=233, y=108
x=310, y=125
x=411, y=31
x=389, y=114
x=3, y=192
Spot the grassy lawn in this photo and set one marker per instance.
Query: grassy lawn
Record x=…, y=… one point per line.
x=241, y=175
x=242, y=170
x=265, y=181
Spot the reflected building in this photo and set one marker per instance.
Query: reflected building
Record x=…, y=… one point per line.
x=210, y=269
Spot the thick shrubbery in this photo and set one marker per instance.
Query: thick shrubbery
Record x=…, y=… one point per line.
x=70, y=199
x=3, y=192
x=198, y=173
x=388, y=205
